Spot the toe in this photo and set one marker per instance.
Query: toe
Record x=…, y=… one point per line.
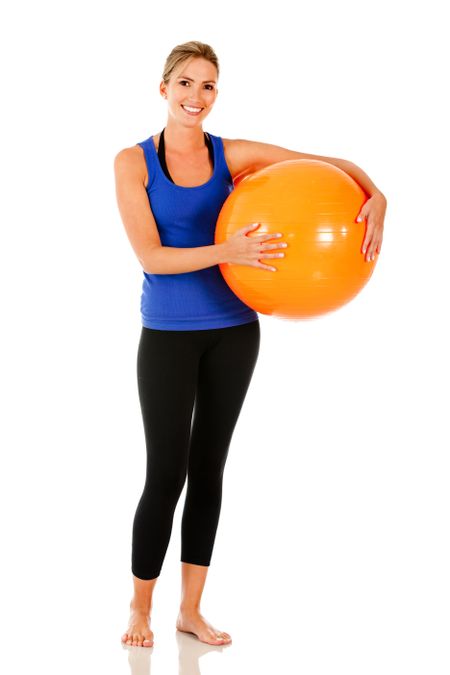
x=124, y=637
x=147, y=642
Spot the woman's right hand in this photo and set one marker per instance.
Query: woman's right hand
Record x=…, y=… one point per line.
x=243, y=250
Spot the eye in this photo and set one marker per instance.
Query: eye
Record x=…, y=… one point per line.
x=210, y=86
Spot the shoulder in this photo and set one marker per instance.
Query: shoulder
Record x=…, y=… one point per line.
x=233, y=146
x=129, y=156
x=130, y=162
x=134, y=153
x=237, y=154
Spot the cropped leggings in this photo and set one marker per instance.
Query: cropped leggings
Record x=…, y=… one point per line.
x=192, y=385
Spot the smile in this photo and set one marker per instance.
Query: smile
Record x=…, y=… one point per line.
x=192, y=111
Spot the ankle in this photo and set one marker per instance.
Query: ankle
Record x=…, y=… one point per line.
x=140, y=607
x=190, y=608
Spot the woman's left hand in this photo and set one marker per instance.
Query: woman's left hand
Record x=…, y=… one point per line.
x=373, y=211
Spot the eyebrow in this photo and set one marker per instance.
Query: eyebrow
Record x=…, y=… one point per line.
x=184, y=77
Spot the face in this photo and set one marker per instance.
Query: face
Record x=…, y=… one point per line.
x=192, y=84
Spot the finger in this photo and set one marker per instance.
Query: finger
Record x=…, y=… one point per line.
x=264, y=237
x=368, y=239
x=376, y=247
x=372, y=249
x=370, y=254
x=366, y=242
x=259, y=251
x=265, y=247
x=265, y=267
x=376, y=236
x=269, y=255
x=379, y=239
x=247, y=228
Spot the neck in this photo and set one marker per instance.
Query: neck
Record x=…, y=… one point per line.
x=183, y=139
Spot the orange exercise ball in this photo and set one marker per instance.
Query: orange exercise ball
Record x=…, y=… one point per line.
x=315, y=205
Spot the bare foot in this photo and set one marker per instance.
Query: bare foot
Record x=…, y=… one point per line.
x=138, y=633
x=194, y=622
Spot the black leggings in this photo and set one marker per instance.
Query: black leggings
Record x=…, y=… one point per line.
x=192, y=385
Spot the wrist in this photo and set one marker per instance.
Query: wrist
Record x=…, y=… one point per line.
x=378, y=193
x=221, y=251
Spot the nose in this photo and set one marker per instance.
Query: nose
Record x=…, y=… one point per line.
x=196, y=102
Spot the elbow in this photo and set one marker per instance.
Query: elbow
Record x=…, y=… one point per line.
x=145, y=264
x=148, y=261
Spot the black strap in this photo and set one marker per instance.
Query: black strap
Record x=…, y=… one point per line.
x=162, y=153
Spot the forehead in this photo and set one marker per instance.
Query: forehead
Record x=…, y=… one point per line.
x=197, y=69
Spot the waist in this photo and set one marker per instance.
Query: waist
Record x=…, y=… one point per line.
x=200, y=299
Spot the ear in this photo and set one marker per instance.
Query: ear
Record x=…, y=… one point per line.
x=163, y=89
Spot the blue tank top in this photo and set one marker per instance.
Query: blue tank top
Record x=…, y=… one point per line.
x=186, y=217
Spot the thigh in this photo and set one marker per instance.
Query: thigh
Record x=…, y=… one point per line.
x=167, y=368
x=224, y=375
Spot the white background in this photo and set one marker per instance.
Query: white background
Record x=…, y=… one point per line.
x=332, y=552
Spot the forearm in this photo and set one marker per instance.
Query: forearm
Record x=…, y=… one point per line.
x=359, y=175
x=171, y=260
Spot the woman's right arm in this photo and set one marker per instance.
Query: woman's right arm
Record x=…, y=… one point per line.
x=142, y=231
x=141, y=228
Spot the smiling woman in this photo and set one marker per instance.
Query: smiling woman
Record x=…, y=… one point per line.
x=199, y=341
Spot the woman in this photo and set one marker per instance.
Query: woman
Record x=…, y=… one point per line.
x=199, y=343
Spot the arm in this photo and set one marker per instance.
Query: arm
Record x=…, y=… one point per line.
x=141, y=228
x=171, y=260
x=249, y=156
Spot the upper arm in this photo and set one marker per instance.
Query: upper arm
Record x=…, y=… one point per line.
x=133, y=202
x=248, y=156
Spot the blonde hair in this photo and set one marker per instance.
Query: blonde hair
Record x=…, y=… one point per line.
x=183, y=52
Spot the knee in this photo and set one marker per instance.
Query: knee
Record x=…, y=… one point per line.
x=166, y=484
x=205, y=490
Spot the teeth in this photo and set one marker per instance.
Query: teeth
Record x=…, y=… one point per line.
x=191, y=109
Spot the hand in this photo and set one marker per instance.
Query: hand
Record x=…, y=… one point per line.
x=373, y=211
x=243, y=250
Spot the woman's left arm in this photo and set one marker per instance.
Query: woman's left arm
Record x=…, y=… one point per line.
x=373, y=210
x=250, y=156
